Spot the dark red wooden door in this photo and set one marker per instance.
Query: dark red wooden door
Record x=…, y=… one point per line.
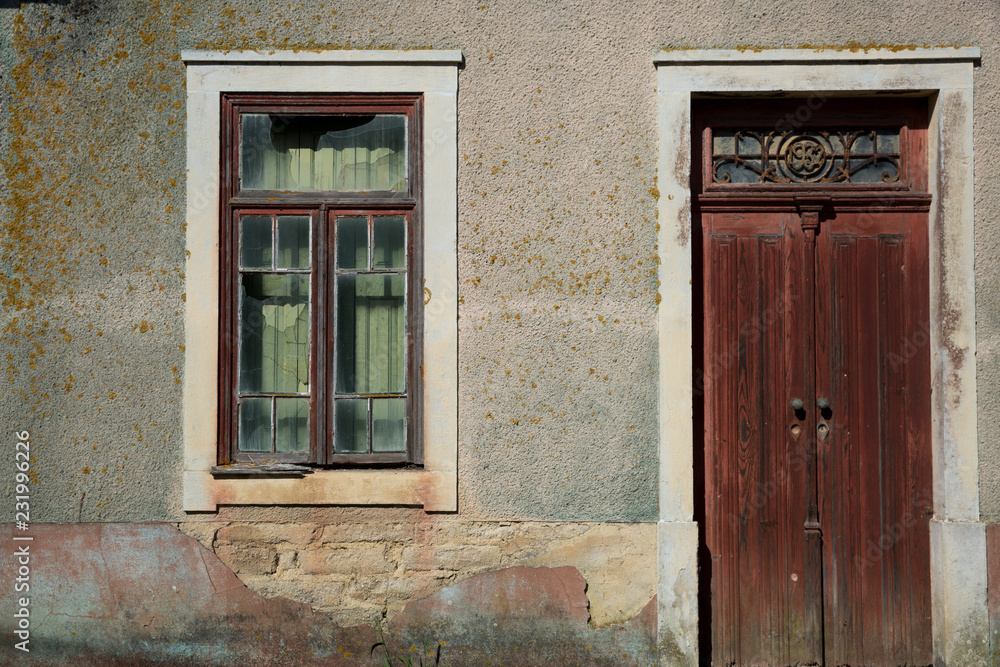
x=872, y=363
x=816, y=419
x=766, y=572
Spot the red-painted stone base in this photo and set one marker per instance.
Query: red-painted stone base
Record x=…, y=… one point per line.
x=524, y=616
x=111, y=595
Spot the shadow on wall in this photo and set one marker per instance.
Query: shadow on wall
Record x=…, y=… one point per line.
x=158, y=597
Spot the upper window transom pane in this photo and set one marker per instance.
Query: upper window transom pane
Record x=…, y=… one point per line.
x=348, y=153
x=814, y=156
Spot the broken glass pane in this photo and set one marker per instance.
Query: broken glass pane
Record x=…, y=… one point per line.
x=274, y=333
x=353, y=153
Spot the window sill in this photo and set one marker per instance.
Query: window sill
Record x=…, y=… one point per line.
x=434, y=490
x=272, y=469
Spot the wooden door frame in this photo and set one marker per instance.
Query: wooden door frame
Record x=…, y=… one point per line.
x=958, y=541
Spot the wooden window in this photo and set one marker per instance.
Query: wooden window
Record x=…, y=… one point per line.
x=320, y=279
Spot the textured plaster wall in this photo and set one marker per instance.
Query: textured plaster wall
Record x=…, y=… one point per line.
x=557, y=204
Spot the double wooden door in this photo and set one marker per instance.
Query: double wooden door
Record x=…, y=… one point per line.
x=817, y=416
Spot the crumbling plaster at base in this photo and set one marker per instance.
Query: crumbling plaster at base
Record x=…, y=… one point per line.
x=107, y=595
x=359, y=572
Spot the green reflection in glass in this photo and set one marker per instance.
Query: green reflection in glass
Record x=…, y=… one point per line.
x=352, y=243
x=292, y=428
x=388, y=424
x=390, y=243
x=371, y=333
x=255, y=425
x=274, y=333
x=351, y=425
x=293, y=242
x=255, y=242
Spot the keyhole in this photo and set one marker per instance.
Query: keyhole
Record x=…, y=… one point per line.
x=796, y=429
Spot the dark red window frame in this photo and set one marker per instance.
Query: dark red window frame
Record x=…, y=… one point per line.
x=322, y=207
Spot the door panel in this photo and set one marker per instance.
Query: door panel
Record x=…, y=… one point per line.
x=841, y=316
x=875, y=462
x=756, y=488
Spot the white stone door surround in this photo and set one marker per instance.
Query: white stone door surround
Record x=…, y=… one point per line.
x=958, y=540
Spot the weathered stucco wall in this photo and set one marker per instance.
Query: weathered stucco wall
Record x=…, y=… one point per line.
x=557, y=257
x=557, y=273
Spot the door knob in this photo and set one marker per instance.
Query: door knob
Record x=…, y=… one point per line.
x=823, y=403
x=796, y=404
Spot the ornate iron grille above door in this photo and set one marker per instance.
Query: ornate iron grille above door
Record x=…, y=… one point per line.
x=840, y=156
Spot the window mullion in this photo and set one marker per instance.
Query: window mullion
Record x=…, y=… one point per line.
x=320, y=445
x=331, y=336
x=274, y=424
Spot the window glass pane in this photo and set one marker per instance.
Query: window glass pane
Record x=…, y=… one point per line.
x=388, y=424
x=823, y=156
x=882, y=171
x=390, y=243
x=255, y=242
x=274, y=333
x=255, y=425
x=371, y=330
x=351, y=425
x=293, y=242
x=292, y=416
x=306, y=153
x=352, y=243
x=888, y=141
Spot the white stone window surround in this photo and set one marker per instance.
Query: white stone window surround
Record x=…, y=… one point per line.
x=958, y=546
x=434, y=73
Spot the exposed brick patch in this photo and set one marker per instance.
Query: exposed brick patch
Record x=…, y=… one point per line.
x=386, y=564
x=464, y=559
x=369, y=532
x=269, y=533
x=244, y=559
x=359, y=559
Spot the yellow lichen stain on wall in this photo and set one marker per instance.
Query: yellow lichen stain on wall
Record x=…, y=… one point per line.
x=74, y=189
x=850, y=45
x=238, y=31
